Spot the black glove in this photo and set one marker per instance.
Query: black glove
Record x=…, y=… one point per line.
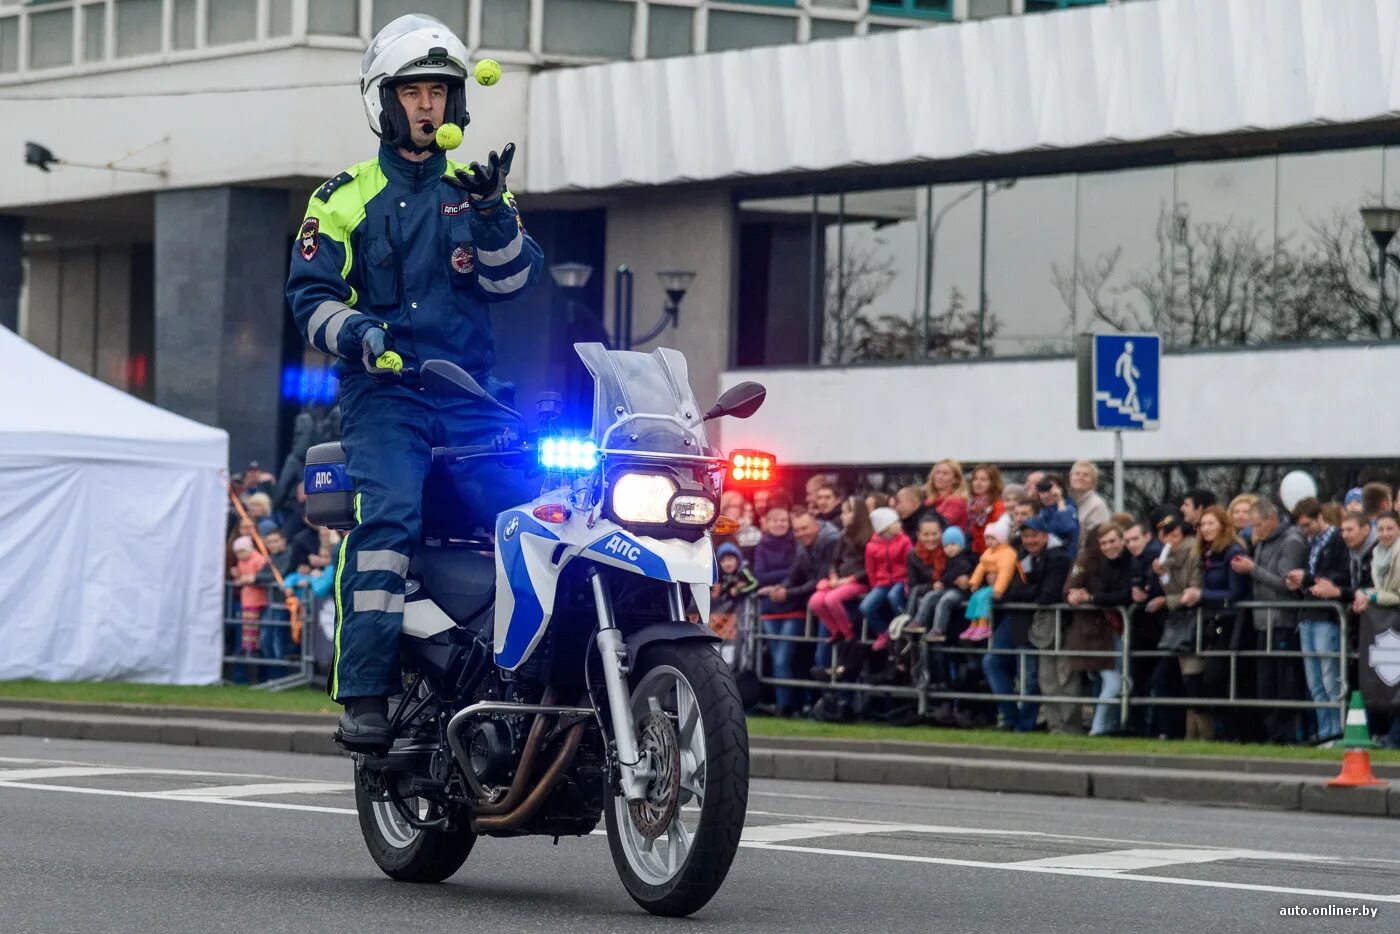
x=376, y=344
x=485, y=185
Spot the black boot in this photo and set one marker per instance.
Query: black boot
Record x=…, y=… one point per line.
x=364, y=726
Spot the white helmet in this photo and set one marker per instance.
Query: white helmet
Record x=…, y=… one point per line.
x=418, y=47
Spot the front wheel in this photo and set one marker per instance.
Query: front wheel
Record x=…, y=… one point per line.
x=674, y=849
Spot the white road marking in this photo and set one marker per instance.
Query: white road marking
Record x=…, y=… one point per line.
x=162, y=796
x=259, y=790
x=62, y=771
x=1083, y=873
x=1031, y=866
x=826, y=827
x=1122, y=860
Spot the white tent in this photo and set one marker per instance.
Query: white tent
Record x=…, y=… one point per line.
x=111, y=530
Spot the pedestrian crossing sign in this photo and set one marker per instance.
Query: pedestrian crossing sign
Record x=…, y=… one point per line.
x=1119, y=385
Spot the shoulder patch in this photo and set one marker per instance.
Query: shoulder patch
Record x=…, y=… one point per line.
x=325, y=191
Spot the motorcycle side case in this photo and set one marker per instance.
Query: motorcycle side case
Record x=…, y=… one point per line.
x=330, y=494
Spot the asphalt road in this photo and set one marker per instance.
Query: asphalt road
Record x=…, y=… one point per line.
x=125, y=837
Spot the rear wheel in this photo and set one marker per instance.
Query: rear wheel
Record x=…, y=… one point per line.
x=673, y=849
x=402, y=851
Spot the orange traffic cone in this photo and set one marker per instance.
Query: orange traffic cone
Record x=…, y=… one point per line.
x=1356, y=762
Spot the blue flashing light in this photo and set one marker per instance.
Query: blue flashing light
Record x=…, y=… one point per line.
x=568, y=454
x=305, y=385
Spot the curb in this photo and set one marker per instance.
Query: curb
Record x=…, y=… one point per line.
x=1211, y=787
x=1316, y=768
x=1148, y=779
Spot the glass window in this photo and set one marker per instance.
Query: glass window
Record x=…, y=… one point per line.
x=670, y=30
x=837, y=4
x=951, y=248
x=982, y=9
x=1224, y=235
x=775, y=321
x=182, y=26
x=1323, y=284
x=453, y=13
x=333, y=17
x=730, y=30
x=138, y=27
x=279, y=18
x=1123, y=277
x=50, y=39
x=872, y=264
x=1030, y=242
x=233, y=21
x=9, y=43
x=588, y=27
x=505, y=24
x=832, y=28
x=939, y=8
x=94, y=32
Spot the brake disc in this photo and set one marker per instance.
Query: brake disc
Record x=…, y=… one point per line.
x=654, y=813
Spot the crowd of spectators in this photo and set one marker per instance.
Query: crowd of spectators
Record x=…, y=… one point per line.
x=281, y=571
x=1031, y=588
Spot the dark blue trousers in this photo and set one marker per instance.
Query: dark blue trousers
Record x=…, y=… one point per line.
x=388, y=432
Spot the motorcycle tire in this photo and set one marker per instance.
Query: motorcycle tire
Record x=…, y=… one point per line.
x=653, y=879
x=403, y=852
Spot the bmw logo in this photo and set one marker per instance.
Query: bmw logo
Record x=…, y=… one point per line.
x=511, y=526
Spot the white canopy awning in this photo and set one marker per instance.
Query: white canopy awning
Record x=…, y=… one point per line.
x=111, y=530
x=1132, y=72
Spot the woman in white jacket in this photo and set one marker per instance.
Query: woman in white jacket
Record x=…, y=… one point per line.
x=1385, y=571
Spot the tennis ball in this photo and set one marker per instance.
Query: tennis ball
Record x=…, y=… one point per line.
x=487, y=72
x=449, y=136
x=389, y=360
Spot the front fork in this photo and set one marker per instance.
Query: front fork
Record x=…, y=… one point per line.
x=635, y=768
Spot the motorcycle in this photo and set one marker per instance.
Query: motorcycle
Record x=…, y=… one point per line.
x=551, y=675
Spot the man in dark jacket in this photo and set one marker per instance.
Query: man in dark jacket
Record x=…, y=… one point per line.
x=1279, y=549
x=1318, y=626
x=782, y=620
x=1046, y=567
x=1146, y=632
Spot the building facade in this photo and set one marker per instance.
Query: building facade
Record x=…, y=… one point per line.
x=900, y=230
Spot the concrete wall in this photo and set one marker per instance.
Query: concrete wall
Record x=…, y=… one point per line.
x=654, y=230
x=1249, y=405
x=300, y=128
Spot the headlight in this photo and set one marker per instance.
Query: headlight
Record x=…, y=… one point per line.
x=688, y=509
x=642, y=498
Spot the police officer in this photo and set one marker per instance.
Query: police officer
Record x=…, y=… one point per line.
x=403, y=253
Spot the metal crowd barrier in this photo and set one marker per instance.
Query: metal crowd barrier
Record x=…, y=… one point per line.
x=263, y=654
x=921, y=690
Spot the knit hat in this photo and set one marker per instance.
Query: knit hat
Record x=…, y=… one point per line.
x=729, y=548
x=243, y=543
x=1353, y=496
x=882, y=518
x=953, y=535
x=1000, y=529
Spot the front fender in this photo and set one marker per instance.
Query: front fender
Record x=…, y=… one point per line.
x=665, y=632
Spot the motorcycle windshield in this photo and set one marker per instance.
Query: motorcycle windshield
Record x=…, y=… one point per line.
x=643, y=402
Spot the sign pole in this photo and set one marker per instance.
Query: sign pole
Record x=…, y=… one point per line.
x=1118, y=471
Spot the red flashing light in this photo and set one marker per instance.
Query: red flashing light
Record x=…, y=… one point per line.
x=752, y=468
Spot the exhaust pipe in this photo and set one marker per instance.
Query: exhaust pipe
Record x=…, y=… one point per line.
x=514, y=819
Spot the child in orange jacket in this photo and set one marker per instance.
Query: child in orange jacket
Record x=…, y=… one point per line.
x=995, y=569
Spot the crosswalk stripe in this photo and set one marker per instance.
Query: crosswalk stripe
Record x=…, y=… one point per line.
x=260, y=790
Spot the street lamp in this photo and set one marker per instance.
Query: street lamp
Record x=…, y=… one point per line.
x=571, y=275
x=1382, y=222
x=676, y=283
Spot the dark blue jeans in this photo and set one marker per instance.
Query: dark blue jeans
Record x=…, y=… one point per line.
x=781, y=652
x=880, y=606
x=1002, y=671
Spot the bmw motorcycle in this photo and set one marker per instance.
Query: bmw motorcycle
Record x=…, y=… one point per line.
x=553, y=675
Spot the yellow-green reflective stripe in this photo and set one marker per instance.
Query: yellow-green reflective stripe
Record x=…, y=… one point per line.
x=340, y=606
